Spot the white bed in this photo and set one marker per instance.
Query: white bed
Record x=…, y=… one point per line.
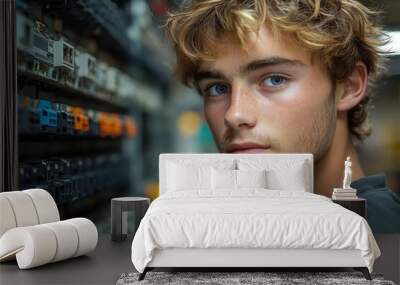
x=282, y=224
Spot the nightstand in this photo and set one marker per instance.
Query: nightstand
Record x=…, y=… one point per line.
x=358, y=205
x=119, y=215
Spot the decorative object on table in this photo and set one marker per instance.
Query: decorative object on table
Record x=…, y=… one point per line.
x=119, y=215
x=347, y=174
x=358, y=205
x=31, y=231
x=346, y=192
x=244, y=278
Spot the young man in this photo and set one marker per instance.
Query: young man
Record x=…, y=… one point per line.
x=291, y=77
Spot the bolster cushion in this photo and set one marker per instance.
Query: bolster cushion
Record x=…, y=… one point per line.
x=26, y=208
x=40, y=244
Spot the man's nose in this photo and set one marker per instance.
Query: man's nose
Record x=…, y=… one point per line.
x=242, y=109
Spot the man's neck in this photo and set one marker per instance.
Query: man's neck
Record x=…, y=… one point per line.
x=329, y=170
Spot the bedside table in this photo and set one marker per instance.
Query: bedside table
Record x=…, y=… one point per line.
x=358, y=206
x=119, y=215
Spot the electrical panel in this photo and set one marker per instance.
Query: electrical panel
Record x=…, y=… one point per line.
x=112, y=79
x=79, y=121
x=86, y=64
x=64, y=54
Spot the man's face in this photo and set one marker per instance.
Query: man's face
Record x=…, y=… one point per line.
x=273, y=98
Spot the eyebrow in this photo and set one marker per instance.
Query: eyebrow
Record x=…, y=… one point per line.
x=249, y=67
x=209, y=74
x=271, y=61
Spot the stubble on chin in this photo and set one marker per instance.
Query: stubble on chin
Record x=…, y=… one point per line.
x=315, y=138
x=233, y=136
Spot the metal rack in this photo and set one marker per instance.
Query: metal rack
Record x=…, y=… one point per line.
x=77, y=135
x=107, y=16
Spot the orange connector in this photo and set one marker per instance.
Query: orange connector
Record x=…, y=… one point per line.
x=104, y=124
x=130, y=126
x=81, y=120
x=115, y=125
x=110, y=124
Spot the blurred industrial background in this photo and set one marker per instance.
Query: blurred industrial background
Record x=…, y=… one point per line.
x=380, y=153
x=98, y=102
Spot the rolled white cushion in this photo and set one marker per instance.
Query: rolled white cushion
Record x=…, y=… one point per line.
x=40, y=244
x=23, y=208
x=67, y=239
x=87, y=235
x=7, y=218
x=45, y=205
x=33, y=245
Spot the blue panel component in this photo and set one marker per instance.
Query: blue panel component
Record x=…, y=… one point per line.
x=65, y=120
x=48, y=117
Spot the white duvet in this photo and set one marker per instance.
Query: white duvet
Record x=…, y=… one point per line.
x=253, y=218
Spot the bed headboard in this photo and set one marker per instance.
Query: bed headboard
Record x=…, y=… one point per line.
x=212, y=158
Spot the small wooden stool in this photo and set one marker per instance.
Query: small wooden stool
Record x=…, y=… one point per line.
x=119, y=215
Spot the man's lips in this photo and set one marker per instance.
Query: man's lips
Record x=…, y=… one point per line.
x=247, y=148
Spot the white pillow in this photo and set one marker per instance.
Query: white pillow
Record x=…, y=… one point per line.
x=223, y=179
x=281, y=174
x=251, y=178
x=290, y=179
x=204, y=162
x=181, y=177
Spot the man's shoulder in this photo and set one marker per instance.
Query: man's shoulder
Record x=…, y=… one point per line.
x=372, y=182
x=383, y=204
x=374, y=186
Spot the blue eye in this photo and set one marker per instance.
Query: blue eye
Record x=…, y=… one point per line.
x=274, y=80
x=216, y=90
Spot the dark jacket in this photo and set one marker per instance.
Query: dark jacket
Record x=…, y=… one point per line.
x=383, y=205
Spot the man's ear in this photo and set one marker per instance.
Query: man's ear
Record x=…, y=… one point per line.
x=353, y=88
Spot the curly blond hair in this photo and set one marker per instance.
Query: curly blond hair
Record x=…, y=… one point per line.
x=341, y=32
